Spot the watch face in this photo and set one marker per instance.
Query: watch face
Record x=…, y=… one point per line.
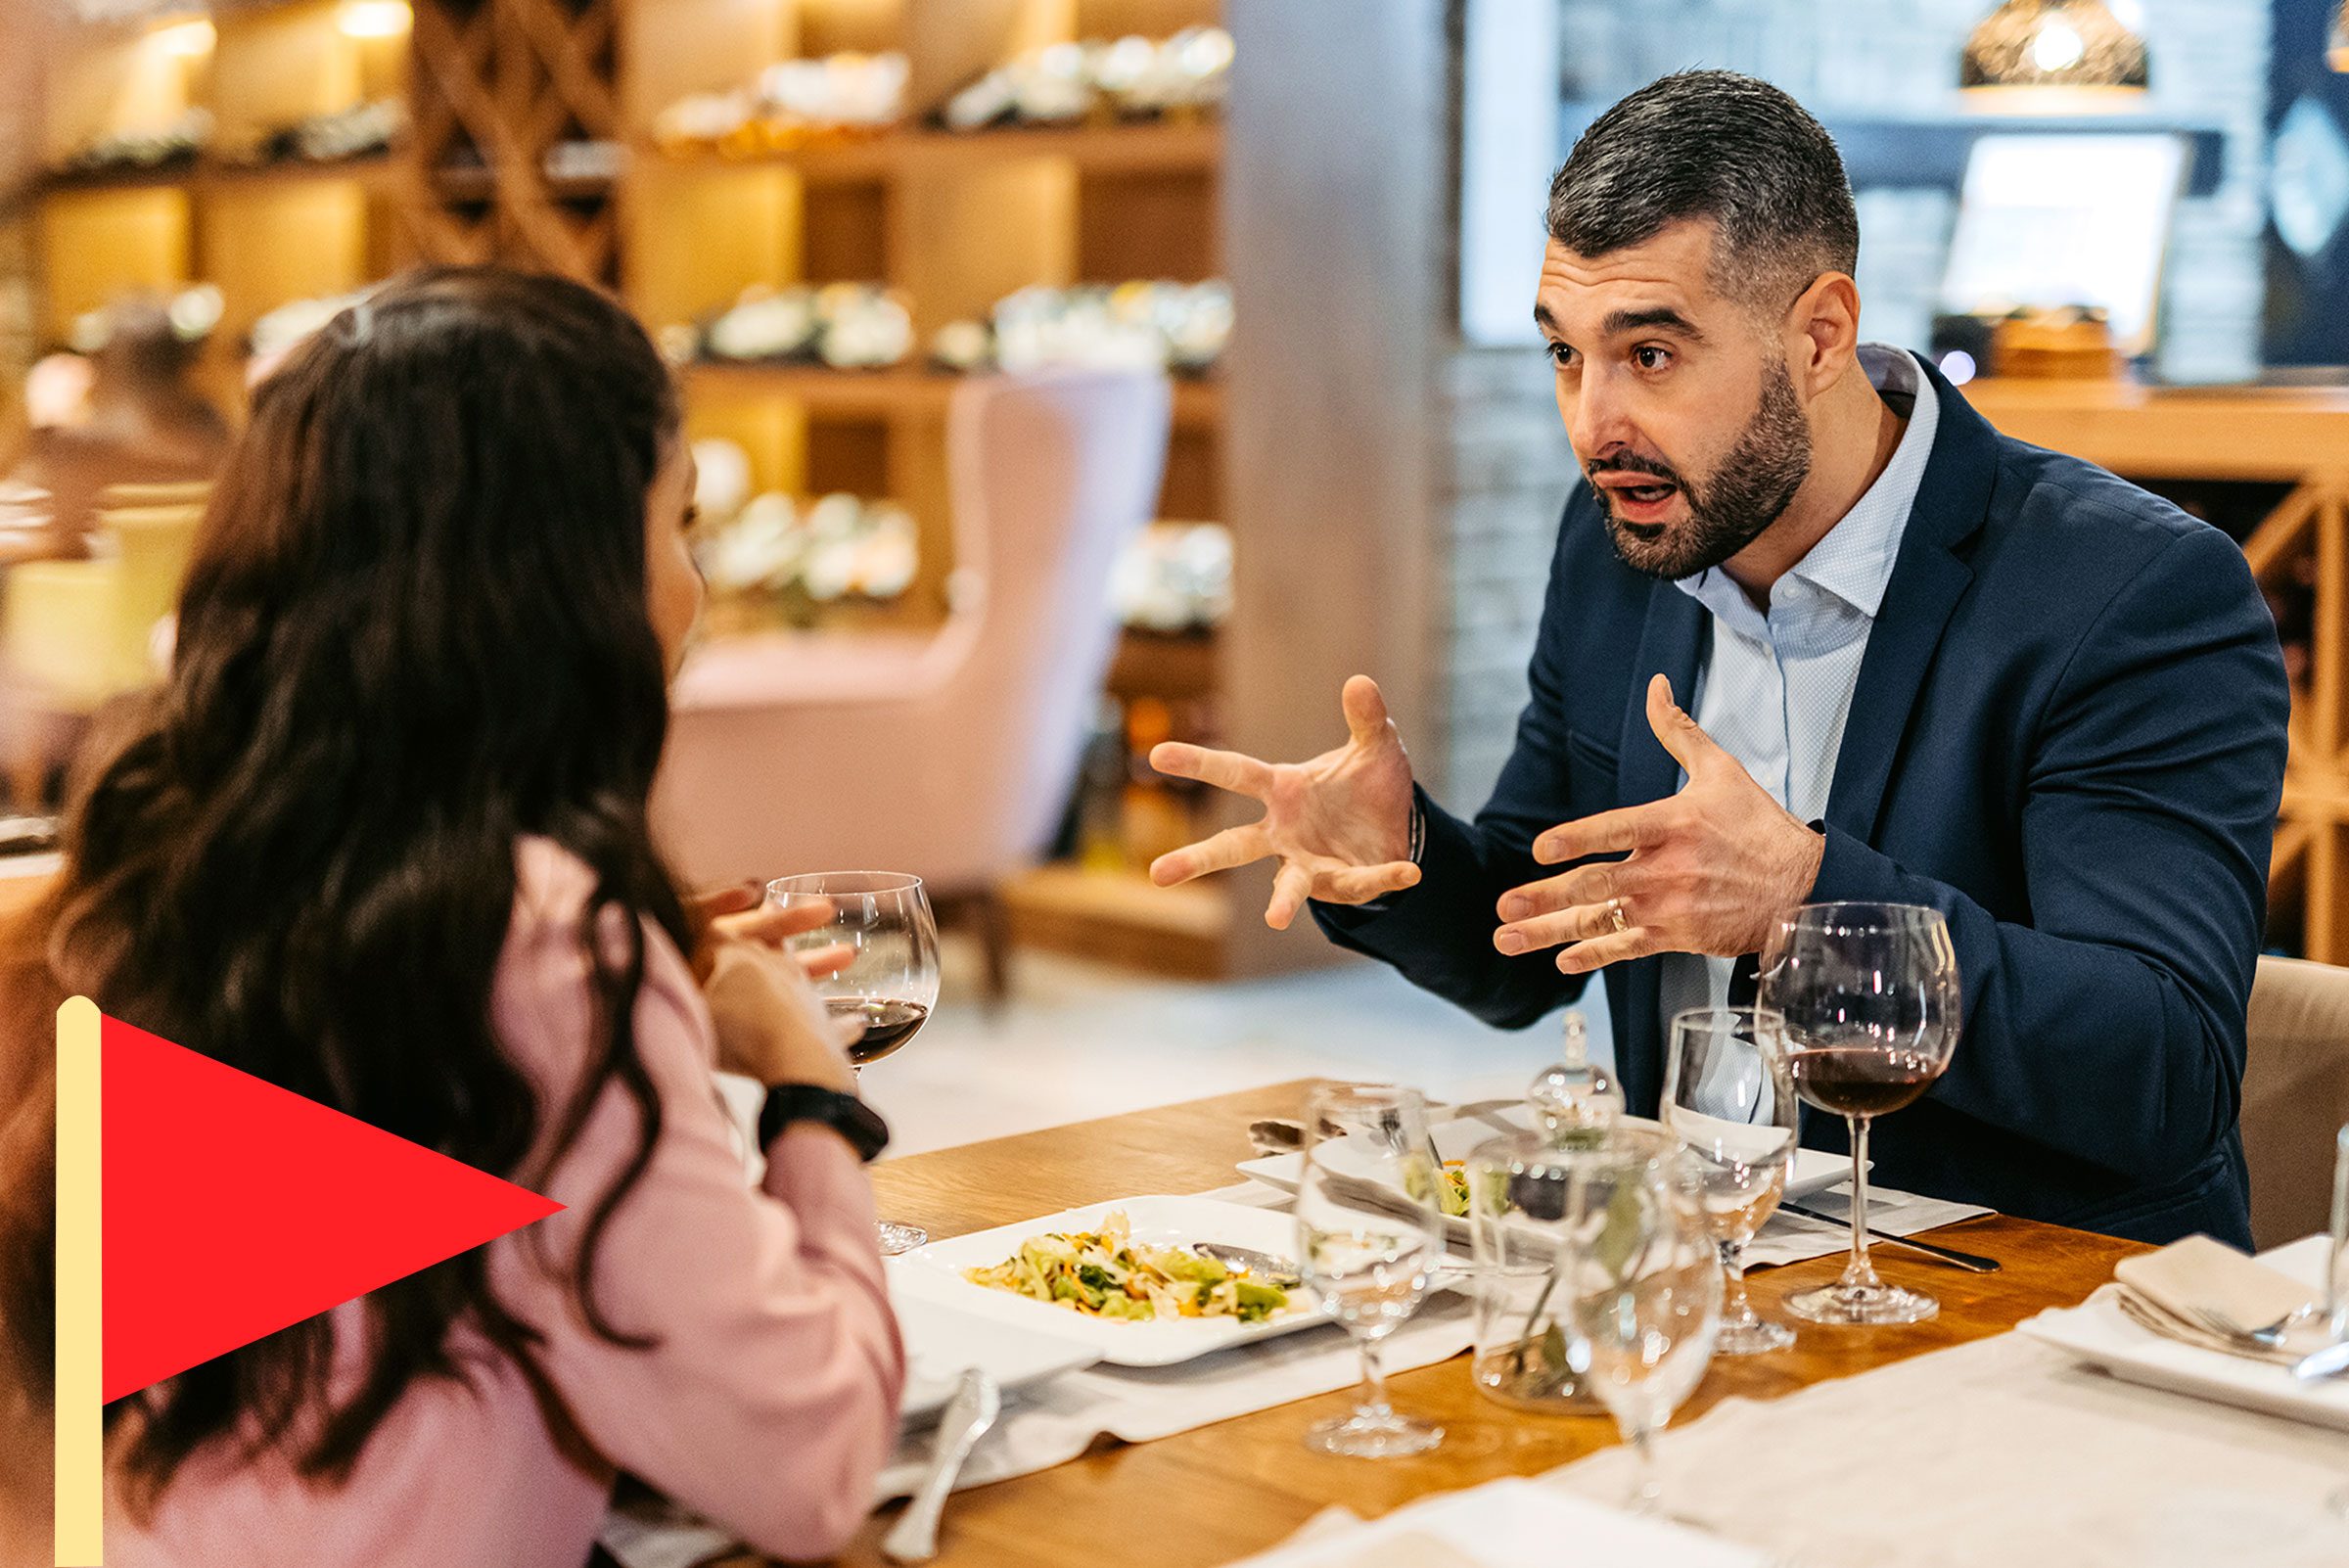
x=845, y=1114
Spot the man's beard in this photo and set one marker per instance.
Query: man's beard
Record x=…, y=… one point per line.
x=1749, y=492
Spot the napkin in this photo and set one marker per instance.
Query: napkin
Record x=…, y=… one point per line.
x=2161, y=1291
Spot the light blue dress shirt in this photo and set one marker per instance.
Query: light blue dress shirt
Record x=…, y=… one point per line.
x=1776, y=688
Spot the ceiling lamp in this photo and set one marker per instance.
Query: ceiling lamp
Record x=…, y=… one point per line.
x=2063, y=44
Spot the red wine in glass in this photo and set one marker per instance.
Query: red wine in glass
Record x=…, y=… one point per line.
x=887, y=1025
x=1861, y=1079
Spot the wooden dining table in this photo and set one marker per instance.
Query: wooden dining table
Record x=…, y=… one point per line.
x=1221, y=1492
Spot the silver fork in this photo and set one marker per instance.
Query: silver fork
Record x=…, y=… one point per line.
x=2268, y=1336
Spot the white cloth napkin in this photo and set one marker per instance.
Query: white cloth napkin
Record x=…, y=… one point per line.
x=1500, y=1524
x=1994, y=1455
x=1792, y=1238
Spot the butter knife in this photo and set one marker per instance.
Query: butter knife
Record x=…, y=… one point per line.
x=1973, y=1262
x=973, y=1409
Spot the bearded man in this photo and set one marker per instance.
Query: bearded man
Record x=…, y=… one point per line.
x=1814, y=631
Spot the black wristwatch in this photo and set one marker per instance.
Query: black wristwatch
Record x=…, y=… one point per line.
x=843, y=1114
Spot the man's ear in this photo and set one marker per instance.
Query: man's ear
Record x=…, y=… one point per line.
x=1823, y=333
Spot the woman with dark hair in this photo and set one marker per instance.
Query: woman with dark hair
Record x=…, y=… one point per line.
x=381, y=839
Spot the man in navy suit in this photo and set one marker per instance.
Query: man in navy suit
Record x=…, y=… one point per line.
x=1921, y=662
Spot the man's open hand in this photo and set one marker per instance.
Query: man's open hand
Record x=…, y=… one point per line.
x=1710, y=868
x=1340, y=824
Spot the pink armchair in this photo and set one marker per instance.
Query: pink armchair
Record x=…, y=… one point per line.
x=950, y=756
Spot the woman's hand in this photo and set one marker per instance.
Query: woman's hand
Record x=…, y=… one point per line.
x=771, y=1026
x=741, y=913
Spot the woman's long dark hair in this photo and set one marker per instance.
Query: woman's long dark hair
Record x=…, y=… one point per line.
x=415, y=630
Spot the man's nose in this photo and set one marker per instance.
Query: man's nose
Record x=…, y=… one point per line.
x=1598, y=423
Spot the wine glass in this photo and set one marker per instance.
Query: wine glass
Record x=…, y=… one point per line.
x=1369, y=1241
x=1729, y=1098
x=1642, y=1274
x=1868, y=992
x=888, y=979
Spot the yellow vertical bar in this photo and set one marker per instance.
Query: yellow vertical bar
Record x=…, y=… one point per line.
x=81, y=1519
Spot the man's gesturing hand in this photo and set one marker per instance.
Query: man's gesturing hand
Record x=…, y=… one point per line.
x=1341, y=824
x=1709, y=868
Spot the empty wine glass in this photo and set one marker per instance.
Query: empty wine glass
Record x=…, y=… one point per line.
x=1868, y=992
x=1370, y=1242
x=889, y=982
x=1730, y=1099
x=1643, y=1273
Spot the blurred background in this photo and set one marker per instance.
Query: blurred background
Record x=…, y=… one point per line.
x=943, y=636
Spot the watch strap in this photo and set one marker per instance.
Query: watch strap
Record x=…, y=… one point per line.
x=845, y=1114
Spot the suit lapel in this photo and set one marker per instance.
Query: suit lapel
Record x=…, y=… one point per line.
x=1672, y=641
x=1928, y=579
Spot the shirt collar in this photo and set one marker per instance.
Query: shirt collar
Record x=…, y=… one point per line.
x=1854, y=560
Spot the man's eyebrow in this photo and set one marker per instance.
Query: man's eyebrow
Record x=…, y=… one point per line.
x=1543, y=319
x=1655, y=318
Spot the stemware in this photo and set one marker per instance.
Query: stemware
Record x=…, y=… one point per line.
x=1369, y=1241
x=1642, y=1274
x=888, y=980
x=1729, y=1098
x=1868, y=996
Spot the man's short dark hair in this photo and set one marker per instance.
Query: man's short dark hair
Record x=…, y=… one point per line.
x=1718, y=145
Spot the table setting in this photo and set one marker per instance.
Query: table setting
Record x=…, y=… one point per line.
x=1582, y=1264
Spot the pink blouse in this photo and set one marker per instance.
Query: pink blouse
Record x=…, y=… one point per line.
x=768, y=1406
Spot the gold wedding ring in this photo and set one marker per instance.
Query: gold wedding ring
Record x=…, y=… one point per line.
x=1615, y=915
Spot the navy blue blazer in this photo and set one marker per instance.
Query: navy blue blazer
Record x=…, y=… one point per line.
x=2068, y=735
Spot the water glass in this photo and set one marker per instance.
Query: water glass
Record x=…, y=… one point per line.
x=1370, y=1242
x=1642, y=1276
x=1729, y=1097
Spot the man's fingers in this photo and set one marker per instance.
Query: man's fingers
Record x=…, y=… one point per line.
x=1226, y=771
x=1629, y=827
x=1365, y=710
x=1589, y=884
x=1613, y=948
x=1290, y=888
x=1579, y=923
x=1681, y=736
x=1235, y=846
x=1359, y=884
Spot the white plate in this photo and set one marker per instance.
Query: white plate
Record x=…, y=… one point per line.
x=934, y=1274
x=942, y=1343
x=2096, y=1332
x=1814, y=1170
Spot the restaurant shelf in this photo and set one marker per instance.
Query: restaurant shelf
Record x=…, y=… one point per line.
x=1122, y=917
x=1173, y=667
x=897, y=389
x=1136, y=148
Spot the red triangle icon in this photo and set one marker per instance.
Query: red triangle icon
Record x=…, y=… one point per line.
x=233, y=1207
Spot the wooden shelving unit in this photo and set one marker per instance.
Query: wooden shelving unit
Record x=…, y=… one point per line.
x=2295, y=440
x=952, y=222
x=504, y=96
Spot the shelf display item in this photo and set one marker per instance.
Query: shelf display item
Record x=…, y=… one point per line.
x=799, y=103
x=1173, y=577
x=848, y=326
x=148, y=148
x=1176, y=327
x=1071, y=83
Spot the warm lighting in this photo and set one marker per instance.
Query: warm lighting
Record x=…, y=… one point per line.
x=2336, y=48
x=2063, y=44
x=186, y=39
x=374, y=19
